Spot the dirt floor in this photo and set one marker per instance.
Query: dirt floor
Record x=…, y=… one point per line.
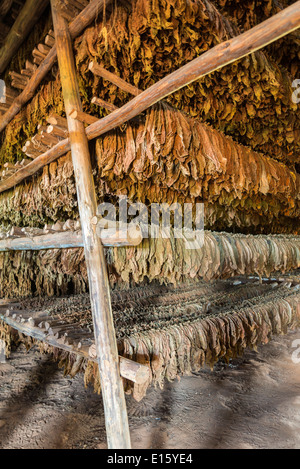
x=254, y=402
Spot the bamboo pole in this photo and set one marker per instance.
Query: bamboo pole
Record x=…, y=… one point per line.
x=76, y=27
x=223, y=54
x=116, y=419
x=27, y=18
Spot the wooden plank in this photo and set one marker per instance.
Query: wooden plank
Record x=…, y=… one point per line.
x=94, y=8
x=23, y=25
x=227, y=52
x=70, y=239
x=116, y=419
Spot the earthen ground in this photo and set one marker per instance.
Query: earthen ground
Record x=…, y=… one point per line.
x=254, y=402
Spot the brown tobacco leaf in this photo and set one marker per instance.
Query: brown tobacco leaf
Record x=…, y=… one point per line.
x=249, y=99
x=224, y=255
x=198, y=162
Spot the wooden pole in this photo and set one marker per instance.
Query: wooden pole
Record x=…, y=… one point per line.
x=119, y=82
x=129, y=369
x=27, y=18
x=76, y=27
x=100, y=102
x=69, y=240
x=112, y=388
x=83, y=117
x=227, y=52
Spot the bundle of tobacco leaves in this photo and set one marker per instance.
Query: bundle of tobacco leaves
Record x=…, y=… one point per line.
x=249, y=100
x=165, y=260
x=47, y=197
x=144, y=40
x=222, y=255
x=170, y=157
x=176, y=331
x=166, y=156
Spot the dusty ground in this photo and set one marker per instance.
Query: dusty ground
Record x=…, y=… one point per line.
x=252, y=403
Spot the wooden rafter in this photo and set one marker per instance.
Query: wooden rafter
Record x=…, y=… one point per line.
x=76, y=27
x=119, y=82
x=27, y=18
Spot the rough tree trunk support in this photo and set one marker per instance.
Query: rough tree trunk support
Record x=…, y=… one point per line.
x=112, y=388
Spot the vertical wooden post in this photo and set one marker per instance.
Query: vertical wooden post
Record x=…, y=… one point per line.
x=2, y=352
x=117, y=429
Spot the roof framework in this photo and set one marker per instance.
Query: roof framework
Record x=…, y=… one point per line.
x=225, y=53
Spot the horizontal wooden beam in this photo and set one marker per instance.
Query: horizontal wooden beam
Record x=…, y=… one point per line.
x=219, y=56
x=129, y=369
x=94, y=8
x=70, y=239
